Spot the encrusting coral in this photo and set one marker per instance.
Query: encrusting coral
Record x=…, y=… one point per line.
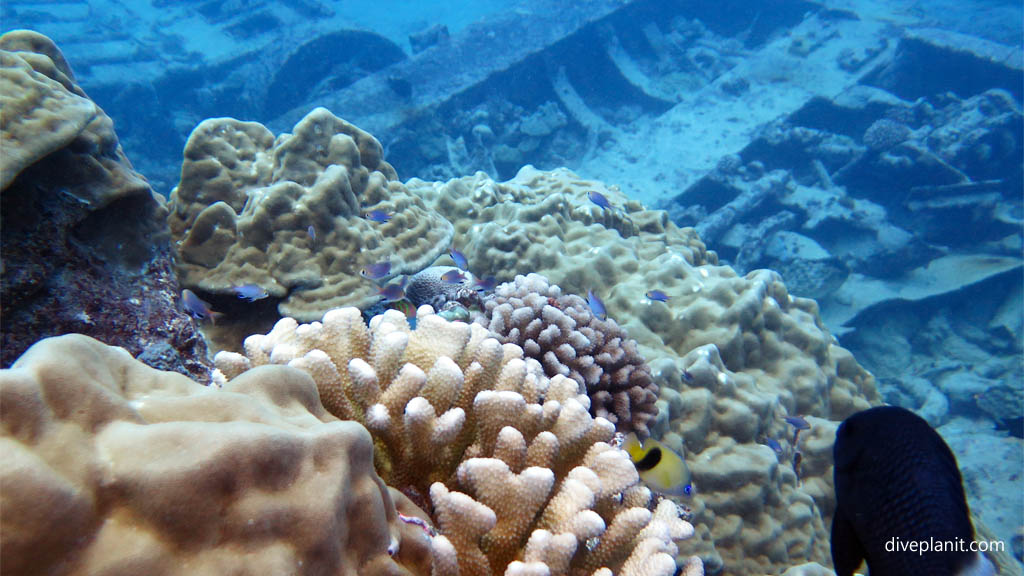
x=112, y=467
x=286, y=214
x=562, y=333
x=517, y=475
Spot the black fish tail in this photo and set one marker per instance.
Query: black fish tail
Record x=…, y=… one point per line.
x=847, y=551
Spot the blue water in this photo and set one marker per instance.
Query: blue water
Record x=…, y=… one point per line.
x=891, y=129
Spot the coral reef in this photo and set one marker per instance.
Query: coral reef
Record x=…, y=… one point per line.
x=82, y=238
x=560, y=331
x=543, y=222
x=516, y=474
x=286, y=214
x=732, y=355
x=756, y=511
x=113, y=467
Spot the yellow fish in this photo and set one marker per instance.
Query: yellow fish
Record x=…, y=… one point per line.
x=660, y=468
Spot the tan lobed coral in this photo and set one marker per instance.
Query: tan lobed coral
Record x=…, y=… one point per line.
x=112, y=467
x=41, y=108
x=752, y=509
x=517, y=476
x=286, y=214
x=770, y=352
x=83, y=238
x=560, y=331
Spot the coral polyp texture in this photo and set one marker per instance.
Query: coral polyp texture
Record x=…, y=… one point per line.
x=732, y=355
x=112, y=467
x=517, y=475
x=286, y=214
x=563, y=334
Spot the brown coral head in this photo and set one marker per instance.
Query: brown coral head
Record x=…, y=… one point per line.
x=560, y=331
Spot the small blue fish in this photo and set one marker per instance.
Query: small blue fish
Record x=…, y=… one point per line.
x=687, y=376
x=376, y=271
x=197, y=307
x=657, y=296
x=250, y=292
x=459, y=258
x=596, y=305
x=773, y=444
x=797, y=422
x=378, y=216
x=486, y=283
x=311, y=232
x=453, y=277
x=393, y=292
x=599, y=199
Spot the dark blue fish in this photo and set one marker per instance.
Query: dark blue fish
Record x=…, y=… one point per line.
x=797, y=422
x=657, y=296
x=198, y=308
x=250, y=292
x=599, y=199
x=459, y=258
x=898, y=485
x=486, y=283
x=378, y=215
x=376, y=271
x=773, y=444
x=394, y=291
x=596, y=305
x=687, y=376
x=453, y=277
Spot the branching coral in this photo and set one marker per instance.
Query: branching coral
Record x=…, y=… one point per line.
x=287, y=213
x=517, y=475
x=774, y=356
x=560, y=331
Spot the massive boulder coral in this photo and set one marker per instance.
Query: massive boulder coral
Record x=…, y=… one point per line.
x=44, y=110
x=756, y=510
x=563, y=334
x=771, y=353
x=286, y=214
x=112, y=467
x=83, y=237
x=543, y=222
x=517, y=475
